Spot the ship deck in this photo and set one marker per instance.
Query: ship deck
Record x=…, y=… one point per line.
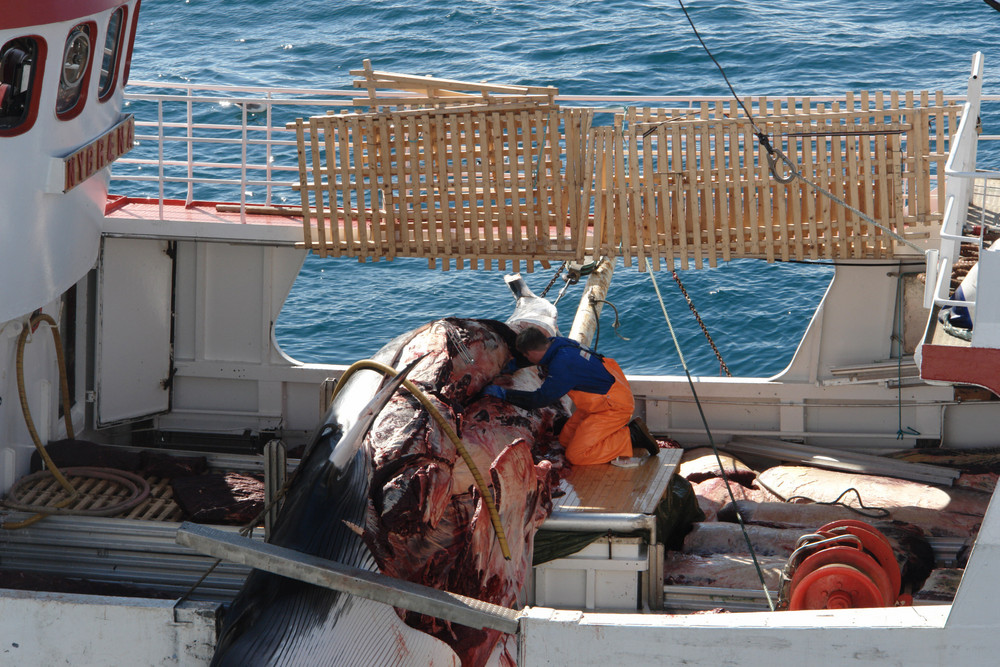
x=175, y=218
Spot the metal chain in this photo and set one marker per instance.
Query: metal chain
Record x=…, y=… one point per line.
x=704, y=329
x=553, y=281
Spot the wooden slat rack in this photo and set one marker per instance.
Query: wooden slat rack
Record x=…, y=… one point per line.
x=484, y=174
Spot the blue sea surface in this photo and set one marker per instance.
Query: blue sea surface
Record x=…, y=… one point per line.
x=340, y=311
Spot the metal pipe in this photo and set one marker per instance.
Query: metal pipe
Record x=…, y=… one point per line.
x=579, y=522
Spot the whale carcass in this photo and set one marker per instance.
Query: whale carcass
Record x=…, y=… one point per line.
x=406, y=504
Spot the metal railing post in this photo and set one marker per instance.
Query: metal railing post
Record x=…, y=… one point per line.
x=159, y=133
x=190, y=149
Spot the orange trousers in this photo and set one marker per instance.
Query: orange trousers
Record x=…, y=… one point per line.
x=598, y=430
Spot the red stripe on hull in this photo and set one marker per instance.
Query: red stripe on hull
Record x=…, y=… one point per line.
x=27, y=13
x=962, y=365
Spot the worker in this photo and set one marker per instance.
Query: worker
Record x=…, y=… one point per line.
x=598, y=431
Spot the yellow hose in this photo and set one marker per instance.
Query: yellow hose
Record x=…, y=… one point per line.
x=138, y=484
x=484, y=490
x=35, y=438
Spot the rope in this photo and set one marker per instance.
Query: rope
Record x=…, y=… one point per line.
x=711, y=440
x=597, y=321
x=704, y=329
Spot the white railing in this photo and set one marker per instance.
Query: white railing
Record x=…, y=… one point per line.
x=197, y=142
x=963, y=183
x=227, y=143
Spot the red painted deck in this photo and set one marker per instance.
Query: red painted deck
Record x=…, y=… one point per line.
x=137, y=208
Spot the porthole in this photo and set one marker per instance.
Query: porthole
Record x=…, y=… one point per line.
x=111, y=55
x=21, y=63
x=75, y=71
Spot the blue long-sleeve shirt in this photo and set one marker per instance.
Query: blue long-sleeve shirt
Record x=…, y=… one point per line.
x=570, y=366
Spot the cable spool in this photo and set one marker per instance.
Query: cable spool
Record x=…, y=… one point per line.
x=846, y=564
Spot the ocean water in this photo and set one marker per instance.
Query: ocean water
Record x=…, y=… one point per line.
x=340, y=311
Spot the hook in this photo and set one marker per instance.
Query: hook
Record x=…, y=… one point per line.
x=772, y=165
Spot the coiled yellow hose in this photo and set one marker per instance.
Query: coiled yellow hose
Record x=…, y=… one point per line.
x=138, y=486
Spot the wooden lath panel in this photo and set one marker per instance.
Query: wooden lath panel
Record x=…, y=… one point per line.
x=486, y=174
x=473, y=186
x=695, y=184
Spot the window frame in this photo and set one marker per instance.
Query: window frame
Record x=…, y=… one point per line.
x=36, y=85
x=84, y=88
x=131, y=43
x=116, y=65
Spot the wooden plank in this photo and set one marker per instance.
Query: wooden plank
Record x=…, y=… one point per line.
x=869, y=234
x=939, y=148
x=538, y=192
x=895, y=142
x=650, y=214
x=734, y=192
x=707, y=226
x=307, y=213
x=388, y=222
x=910, y=162
x=679, y=208
x=780, y=203
x=366, y=182
x=809, y=157
x=385, y=77
x=603, y=216
x=369, y=79
x=348, y=147
x=321, y=215
x=474, y=165
x=884, y=192
x=433, y=226
x=461, y=191
x=667, y=203
x=837, y=213
x=515, y=158
x=853, y=230
x=447, y=198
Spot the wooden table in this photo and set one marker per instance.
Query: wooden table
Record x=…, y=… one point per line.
x=608, y=489
x=606, y=498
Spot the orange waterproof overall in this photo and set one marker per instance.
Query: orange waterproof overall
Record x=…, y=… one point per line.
x=598, y=430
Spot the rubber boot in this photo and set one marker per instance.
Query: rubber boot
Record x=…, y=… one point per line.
x=641, y=437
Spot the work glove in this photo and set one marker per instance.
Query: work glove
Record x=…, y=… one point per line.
x=495, y=392
x=509, y=367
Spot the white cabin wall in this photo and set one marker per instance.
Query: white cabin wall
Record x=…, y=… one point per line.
x=230, y=373
x=852, y=325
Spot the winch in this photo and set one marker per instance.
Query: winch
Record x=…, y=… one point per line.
x=845, y=564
